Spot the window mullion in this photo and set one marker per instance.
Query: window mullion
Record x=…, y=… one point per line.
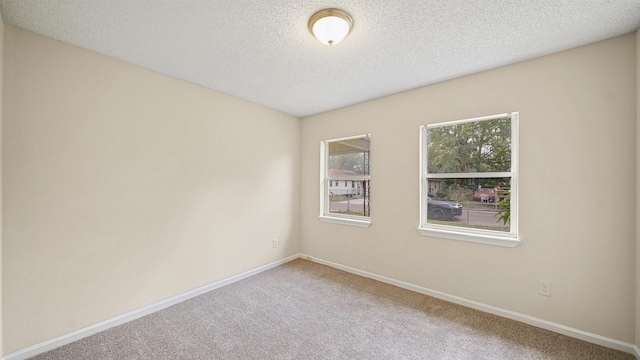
x=469, y=175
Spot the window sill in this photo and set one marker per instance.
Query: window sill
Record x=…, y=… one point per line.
x=487, y=239
x=345, y=221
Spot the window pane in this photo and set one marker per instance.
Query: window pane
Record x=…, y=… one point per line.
x=348, y=200
x=346, y=171
x=472, y=147
x=349, y=157
x=478, y=203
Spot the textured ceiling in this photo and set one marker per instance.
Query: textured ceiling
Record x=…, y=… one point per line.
x=262, y=51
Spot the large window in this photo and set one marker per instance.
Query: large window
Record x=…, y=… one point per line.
x=346, y=164
x=469, y=180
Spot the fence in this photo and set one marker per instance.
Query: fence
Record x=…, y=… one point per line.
x=481, y=216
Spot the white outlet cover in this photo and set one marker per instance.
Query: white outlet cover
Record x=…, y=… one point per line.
x=544, y=287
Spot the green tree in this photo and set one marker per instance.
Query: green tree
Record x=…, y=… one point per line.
x=458, y=193
x=354, y=162
x=480, y=146
x=504, y=209
x=472, y=147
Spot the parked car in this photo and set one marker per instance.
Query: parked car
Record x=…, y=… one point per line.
x=485, y=195
x=438, y=209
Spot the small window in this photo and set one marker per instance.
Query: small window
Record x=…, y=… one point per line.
x=347, y=160
x=469, y=180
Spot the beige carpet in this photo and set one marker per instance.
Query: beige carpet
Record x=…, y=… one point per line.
x=303, y=310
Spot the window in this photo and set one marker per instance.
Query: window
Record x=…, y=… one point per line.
x=469, y=182
x=348, y=160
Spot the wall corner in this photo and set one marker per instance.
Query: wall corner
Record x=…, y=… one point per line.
x=637, y=155
x=1, y=165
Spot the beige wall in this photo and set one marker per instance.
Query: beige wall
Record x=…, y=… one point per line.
x=637, y=317
x=1, y=117
x=128, y=187
x=577, y=180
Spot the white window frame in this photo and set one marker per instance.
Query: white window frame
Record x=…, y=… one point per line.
x=499, y=238
x=325, y=215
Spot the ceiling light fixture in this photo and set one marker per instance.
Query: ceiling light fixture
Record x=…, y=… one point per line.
x=330, y=26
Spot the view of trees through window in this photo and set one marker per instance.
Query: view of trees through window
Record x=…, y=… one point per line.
x=480, y=146
x=468, y=174
x=348, y=162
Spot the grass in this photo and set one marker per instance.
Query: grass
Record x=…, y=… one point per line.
x=473, y=205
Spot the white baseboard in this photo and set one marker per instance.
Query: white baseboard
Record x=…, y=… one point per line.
x=544, y=324
x=135, y=314
x=118, y=320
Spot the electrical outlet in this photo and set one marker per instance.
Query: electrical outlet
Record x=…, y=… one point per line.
x=544, y=287
x=275, y=243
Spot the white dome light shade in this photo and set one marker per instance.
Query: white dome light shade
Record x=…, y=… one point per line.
x=330, y=26
x=330, y=30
